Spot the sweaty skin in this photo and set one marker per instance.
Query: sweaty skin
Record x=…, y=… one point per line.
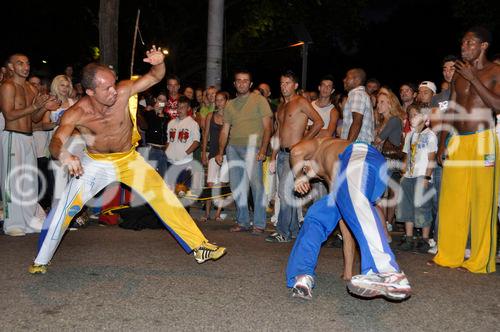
x=102, y=116
x=475, y=88
x=20, y=102
x=318, y=157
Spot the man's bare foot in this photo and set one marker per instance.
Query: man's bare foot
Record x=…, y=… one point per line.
x=345, y=276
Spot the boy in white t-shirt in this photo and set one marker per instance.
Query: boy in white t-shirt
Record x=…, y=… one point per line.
x=183, y=134
x=415, y=207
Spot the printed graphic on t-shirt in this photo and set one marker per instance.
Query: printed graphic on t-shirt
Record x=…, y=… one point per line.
x=182, y=137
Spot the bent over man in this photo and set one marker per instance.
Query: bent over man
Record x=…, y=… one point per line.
x=357, y=174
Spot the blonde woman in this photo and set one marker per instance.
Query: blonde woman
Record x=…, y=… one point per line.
x=388, y=140
x=61, y=88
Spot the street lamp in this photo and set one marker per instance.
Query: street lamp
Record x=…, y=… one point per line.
x=304, y=39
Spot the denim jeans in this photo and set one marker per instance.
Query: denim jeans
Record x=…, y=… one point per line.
x=288, y=221
x=244, y=172
x=158, y=160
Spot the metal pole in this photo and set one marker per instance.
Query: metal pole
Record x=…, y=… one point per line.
x=133, y=44
x=304, y=65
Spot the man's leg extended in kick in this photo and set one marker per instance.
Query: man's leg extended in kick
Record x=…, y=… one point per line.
x=143, y=179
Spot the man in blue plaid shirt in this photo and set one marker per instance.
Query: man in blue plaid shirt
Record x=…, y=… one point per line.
x=358, y=125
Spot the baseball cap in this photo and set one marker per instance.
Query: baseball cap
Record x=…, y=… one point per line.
x=428, y=84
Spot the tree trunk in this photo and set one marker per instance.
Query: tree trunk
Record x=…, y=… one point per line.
x=215, y=42
x=108, y=32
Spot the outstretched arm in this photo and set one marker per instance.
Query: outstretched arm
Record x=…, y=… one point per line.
x=156, y=58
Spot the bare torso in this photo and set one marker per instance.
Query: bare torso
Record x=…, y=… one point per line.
x=292, y=122
x=471, y=103
x=107, y=131
x=25, y=93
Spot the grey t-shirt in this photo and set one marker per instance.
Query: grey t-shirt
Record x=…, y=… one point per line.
x=392, y=131
x=441, y=100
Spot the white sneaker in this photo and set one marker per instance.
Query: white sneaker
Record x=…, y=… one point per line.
x=304, y=284
x=391, y=285
x=433, y=250
x=433, y=247
x=15, y=232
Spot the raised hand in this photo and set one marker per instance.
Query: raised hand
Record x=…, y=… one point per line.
x=154, y=56
x=466, y=70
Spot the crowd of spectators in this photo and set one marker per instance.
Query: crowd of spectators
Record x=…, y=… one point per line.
x=203, y=138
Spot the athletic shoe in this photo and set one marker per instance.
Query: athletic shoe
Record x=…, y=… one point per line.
x=37, y=269
x=406, y=244
x=14, y=231
x=422, y=246
x=391, y=285
x=277, y=238
x=433, y=250
x=304, y=284
x=208, y=251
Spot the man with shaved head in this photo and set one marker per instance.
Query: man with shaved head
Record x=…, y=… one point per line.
x=21, y=105
x=108, y=125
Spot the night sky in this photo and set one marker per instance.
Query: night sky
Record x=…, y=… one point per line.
x=399, y=41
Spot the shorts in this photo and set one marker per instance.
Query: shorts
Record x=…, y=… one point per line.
x=416, y=203
x=216, y=173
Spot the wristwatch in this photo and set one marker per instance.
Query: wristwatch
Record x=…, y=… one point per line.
x=428, y=177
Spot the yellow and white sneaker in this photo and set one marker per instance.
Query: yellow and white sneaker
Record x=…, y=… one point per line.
x=37, y=269
x=208, y=251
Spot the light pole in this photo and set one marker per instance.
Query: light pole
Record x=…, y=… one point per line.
x=305, y=39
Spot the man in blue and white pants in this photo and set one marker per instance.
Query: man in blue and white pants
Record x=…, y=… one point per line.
x=358, y=177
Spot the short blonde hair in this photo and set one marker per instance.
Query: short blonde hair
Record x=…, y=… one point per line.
x=54, y=86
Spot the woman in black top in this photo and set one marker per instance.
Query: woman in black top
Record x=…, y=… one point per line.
x=216, y=174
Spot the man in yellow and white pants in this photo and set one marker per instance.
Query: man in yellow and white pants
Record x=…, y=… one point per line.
x=132, y=170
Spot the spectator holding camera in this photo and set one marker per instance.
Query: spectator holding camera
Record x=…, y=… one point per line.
x=156, y=133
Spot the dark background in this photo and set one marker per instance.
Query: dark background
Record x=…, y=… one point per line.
x=395, y=41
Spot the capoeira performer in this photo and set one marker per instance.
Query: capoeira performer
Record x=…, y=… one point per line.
x=21, y=105
x=109, y=129
x=358, y=177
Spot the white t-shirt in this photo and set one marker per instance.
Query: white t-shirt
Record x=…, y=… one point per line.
x=324, y=113
x=417, y=148
x=181, y=135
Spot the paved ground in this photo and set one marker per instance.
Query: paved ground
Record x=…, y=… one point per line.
x=115, y=279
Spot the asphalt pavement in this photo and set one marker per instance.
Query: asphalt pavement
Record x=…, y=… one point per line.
x=107, y=278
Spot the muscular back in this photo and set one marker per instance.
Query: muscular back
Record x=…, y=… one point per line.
x=467, y=97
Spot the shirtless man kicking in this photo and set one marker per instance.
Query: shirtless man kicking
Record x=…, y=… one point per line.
x=357, y=174
x=21, y=105
x=293, y=114
x=110, y=132
x=468, y=199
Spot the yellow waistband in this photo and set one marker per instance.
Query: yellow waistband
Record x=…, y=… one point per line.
x=113, y=156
